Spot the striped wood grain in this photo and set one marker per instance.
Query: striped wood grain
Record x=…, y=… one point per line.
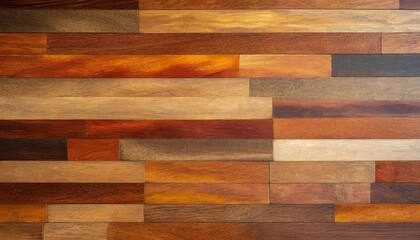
x=401, y=43
x=93, y=149
x=23, y=43
x=21, y=231
x=398, y=171
x=75, y=4
x=23, y=213
x=43, y=129
x=393, y=193
x=33, y=149
x=72, y=231
x=377, y=213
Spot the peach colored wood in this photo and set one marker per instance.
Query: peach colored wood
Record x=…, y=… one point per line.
x=377, y=213
x=23, y=43
x=23, y=213
x=400, y=43
x=72, y=231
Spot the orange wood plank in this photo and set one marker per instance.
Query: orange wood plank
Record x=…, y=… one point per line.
x=23, y=213
x=377, y=213
x=93, y=149
x=23, y=43
x=398, y=171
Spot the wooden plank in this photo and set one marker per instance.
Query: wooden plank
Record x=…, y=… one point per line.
x=398, y=171
x=197, y=149
x=205, y=193
x=322, y=172
x=376, y=65
x=377, y=213
x=207, y=172
x=215, y=43
x=121, y=66
x=23, y=43
x=239, y=213
x=347, y=128
x=129, y=108
x=43, y=129
x=252, y=21
x=71, y=172
x=393, y=193
x=409, y=4
x=347, y=150
x=319, y=193
x=79, y=231
x=124, y=87
x=16, y=20
x=191, y=129
x=33, y=149
x=338, y=88
x=21, y=231
x=95, y=213
x=344, y=109
x=23, y=213
x=401, y=42
x=72, y=193
x=83, y=4
x=93, y=149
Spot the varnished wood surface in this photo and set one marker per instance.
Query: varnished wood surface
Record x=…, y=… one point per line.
x=398, y=171
x=93, y=149
x=377, y=213
x=33, y=149
x=401, y=43
x=43, y=129
x=71, y=231
x=23, y=43
x=21, y=231
x=23, y=213
x=393, y=193
x=75, y=4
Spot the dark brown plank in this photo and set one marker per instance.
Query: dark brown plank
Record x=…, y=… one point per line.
x=52, y=193
x=395, y=193
x=409, y=4
x=233, y=129
x=23, y=43
x=42, y=129
x=215, y=43
x=398, y=171
x=33, y=149
x=21, y=231
x=73, y=4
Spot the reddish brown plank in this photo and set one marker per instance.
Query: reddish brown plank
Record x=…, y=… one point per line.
x=21, y=231
x=74, y=4
x=409, y=4
x=11, y=43
x=400, y=43
x=398, y=171
x=42, y=129
x=93, y=149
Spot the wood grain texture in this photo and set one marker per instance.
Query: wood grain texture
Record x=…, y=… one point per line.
x=409, y=4
x=202, y=193
x=208, y=21
x=401, y=42
x=398, y=171
x=33, y=149
x=21, y=231
x=23, y=43
x=95, y=213
x=347, y=150
x=344, y=88
x=197, y=149
x=72, y=193
x=239, y=213
x=120, y=66
x=322, y=172
x=71, y=172
x=376, y=65
x=344, y=109
x=347, y=128
x=93, y=149
x=377, y=213
x=130, y=108
x=72, y=231
x=77, y=4
x=215, y=43
x=23, y=213
x=393, y=193
x=191, y=129
x=319, y=193
x=43, y=129
x=17, y=20
x=207, y=172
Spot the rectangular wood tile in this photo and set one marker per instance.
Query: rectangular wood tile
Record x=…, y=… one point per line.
x=347, y=128
x=93, y=149
x=239, y=213
x=95, y=213
x=409, y=4
x=207, y=172
x=21, y=231
x=84, y=4
x=376, y=65
x=398, y=171
x=33, y=149
x=319, y=193
x=72, y=193
x=393, y=193
x=202, y=193
x=71, y=172
x=34, y=20
x=23, y=213
x=191, y=129
x=322, y=172
x=23, y=43
x=208, y=21
x=71, y=231
x=401, y=42
x=130, y=108
x=377, y=213
x=197, y=149
x=43, y=129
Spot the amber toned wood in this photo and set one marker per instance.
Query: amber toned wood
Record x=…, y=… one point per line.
x=43, y=129
x=409, y=4
x=377, y=213
x=401, y=42
x=93, y=149
x=347, y=128
x=393, y=193
x=398, y=171
x=23, y=43
x=72, y=231
x=33, y=149
x=23, y=213
x=74, y=4
x=21, y=231
x=202, y=193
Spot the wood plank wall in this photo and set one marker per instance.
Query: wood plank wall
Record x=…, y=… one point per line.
x=209, y=119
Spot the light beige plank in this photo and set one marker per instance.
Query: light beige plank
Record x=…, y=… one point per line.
x=95, y=213
x=73, y=231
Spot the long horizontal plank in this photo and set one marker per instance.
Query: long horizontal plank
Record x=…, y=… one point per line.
x=215, y=43
x=393, y=193
x=71, y=172
x=72, y=193
x=196, y=149
x=377, y=213
x=23, y=43
x=21, y=231
x=93, y=149
x=208, y=21
x=409, y=4
x=33, y=149
x=71, y=231
x=78, y=4
x=126, y=108
x=23, y=213
x=43, y=128
x=398, y=171
x=401, y=43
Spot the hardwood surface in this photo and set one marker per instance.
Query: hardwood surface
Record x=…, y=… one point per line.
x=33, y=149
x=21, y=231
x=398, y=171
x=409, y=4
x=75, y=4
x=93, y=149
x=43, y=129
x=23, y=43
x=401, y=42
x=377, y=213
x=71, y=231
x=23, y=213
x=393, y=193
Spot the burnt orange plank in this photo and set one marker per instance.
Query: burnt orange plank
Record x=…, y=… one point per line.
x=23, y=213
x=93, y=149
x=23, y=43
x=401, y=42
x=347, y=128
x=377, y=213
x=42, y=129
x=398, y=171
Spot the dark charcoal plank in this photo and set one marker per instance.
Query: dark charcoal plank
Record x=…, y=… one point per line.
x=395, y=193
x=71, y=193
x=73, y=4
x=21, y=231
x=375, y=65
x=33, y=149
x=43, y=129
x=409, y=4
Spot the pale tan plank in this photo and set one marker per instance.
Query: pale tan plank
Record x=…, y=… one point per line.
x=72, y=231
